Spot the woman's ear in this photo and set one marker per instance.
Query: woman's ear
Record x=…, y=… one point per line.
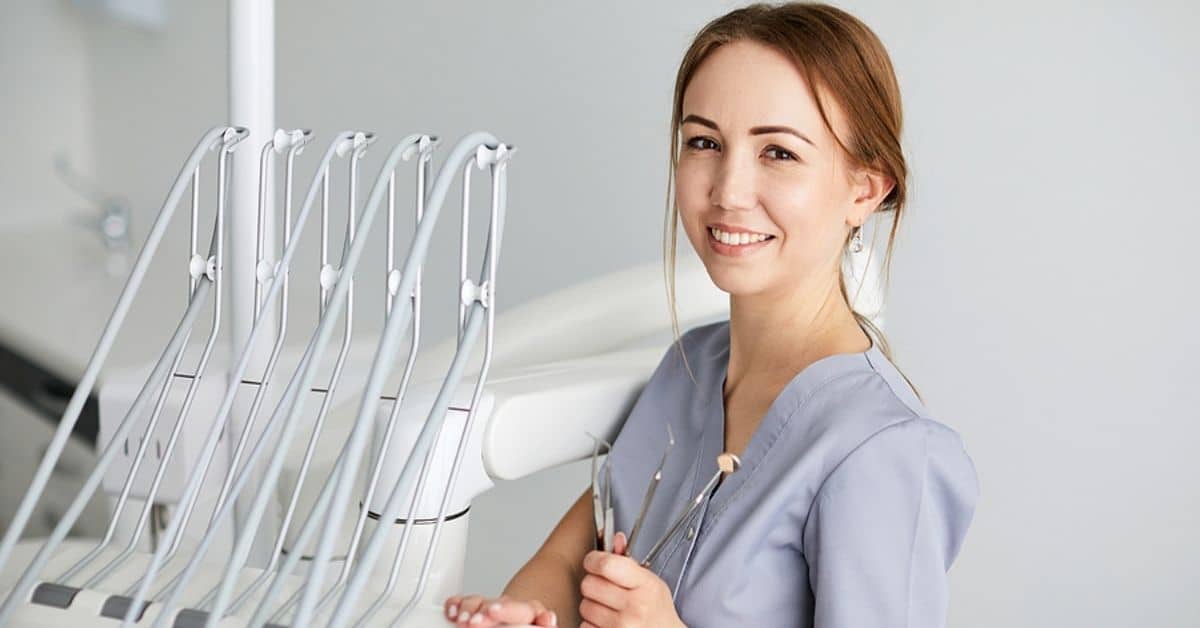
x=870, y=188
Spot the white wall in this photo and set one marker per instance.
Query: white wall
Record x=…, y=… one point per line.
x=45, y=110
x=1041, y=298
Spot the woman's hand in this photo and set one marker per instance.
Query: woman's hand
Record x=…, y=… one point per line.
x=476, y=611
x=617, y=591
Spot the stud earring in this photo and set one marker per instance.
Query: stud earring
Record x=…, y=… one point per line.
x=856, y=244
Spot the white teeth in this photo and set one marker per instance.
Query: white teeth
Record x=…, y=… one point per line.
x=737, y=239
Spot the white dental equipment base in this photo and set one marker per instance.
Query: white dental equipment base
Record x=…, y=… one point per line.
x=535, y=415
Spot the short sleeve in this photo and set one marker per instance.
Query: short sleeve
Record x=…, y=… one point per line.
x=885, y=527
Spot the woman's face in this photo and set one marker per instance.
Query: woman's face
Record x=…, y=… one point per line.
x=758, y=161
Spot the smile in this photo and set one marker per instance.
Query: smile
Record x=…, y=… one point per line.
x=737, y=244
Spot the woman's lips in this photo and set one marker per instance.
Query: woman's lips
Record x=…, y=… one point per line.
x=735, y=250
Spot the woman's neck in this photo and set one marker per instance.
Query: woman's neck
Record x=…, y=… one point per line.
x=777, y=335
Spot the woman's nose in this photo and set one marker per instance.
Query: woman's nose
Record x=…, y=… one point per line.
x=733, y=187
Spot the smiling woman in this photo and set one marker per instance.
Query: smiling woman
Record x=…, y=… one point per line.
x=810, y=91
x=849, y=502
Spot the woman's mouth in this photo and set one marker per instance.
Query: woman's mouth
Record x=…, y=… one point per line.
x=737, y=244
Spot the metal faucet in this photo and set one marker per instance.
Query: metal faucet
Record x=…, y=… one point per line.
x=113, y=221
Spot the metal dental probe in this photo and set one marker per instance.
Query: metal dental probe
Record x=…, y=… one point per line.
x=726, y=463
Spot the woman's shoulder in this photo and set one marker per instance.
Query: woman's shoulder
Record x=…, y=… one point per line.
x=886, y=435
x=869, y=384
x=866, y=420
x=917, y=469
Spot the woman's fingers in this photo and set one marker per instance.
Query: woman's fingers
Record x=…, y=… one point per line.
x=597, y=613
x=469, y=607
x=620, y=570
x=510, y=611
x=620, y=543
x=477, y=611
x=595, y=588
x=546, y=618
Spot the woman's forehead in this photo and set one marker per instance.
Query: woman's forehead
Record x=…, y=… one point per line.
x=745, y=84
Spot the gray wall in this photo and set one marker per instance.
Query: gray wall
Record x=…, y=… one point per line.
x=1041, y=295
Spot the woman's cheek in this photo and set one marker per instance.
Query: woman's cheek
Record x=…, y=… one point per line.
x=690, y=211
x=689, y=195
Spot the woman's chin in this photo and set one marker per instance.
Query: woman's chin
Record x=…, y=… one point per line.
x=736, y=282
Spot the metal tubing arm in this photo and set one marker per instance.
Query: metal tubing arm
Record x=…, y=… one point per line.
x=21, y=590
x=351, y=454
x=225, y=138
x=218, y=244
x=139, y=456
x=71, y=415
x=294, y=142
x=291, y=401
x=380, y=370
x=326, y=403
x=486, y=296
x=394, y=415
x=196, y=478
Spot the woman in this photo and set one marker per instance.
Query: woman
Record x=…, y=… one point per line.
x=851, y=503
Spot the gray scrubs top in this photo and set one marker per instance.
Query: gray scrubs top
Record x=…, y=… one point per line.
x=850, y=505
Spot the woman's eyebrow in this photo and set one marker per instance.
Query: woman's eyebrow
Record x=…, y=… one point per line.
x=758, y=130
x=763, y=130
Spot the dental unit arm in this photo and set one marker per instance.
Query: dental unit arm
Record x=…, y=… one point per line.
x=551, y=383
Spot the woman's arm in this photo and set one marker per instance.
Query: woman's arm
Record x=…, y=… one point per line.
x=548, y=582
x=886, y=525
x=552, y=576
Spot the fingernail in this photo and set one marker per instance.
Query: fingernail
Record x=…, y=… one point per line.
x=476, y=618
x=553, y=618
x=464, y=616
x=453, y=610
x=495, y=607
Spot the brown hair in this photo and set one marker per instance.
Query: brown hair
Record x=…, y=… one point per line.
x=836, y=51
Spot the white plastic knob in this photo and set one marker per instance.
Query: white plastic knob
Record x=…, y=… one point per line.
x=470, y=293
x=329, y=277
x=264, y=271
x=196, y=266
x=393, y=282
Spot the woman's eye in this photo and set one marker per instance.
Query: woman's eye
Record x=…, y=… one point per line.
x=780, y=153
x=701, y=143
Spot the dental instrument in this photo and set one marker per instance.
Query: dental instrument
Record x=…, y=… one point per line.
x=602, y=497
x=649, y=496
x=726, y=463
